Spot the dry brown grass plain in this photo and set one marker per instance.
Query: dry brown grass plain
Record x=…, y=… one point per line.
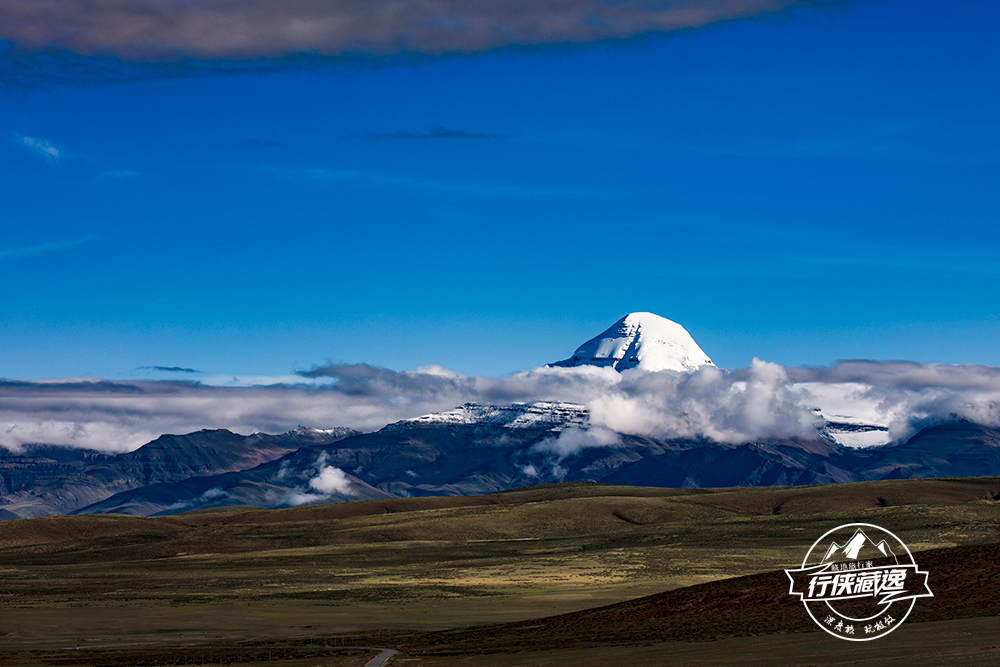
x=387, y=572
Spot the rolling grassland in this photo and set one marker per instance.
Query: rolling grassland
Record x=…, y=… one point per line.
x=426, y=574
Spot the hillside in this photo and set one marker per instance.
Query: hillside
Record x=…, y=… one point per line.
x=44, y=480
x=966, y=582
x=673, y=564
x=484, y=449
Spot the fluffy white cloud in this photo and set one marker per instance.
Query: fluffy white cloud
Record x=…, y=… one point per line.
x=331, y=480
x=574, y=440
x=760, y=401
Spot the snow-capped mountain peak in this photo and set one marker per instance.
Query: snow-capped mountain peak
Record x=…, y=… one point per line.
x=643, y=340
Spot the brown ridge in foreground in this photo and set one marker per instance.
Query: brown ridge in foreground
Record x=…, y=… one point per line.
x=235, y=529
x=965, y=582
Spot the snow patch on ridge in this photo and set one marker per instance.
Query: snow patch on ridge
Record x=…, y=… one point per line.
x=543, y=414
x=851, y=416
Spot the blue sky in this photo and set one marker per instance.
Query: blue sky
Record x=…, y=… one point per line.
x=803, y=187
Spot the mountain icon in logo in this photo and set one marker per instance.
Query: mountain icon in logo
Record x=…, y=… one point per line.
x=859, y=547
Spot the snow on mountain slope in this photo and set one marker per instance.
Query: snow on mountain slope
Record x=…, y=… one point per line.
x=642, y=340
x=852, y=416
x=520, y=415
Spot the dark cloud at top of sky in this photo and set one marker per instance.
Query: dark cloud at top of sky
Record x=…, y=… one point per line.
x=168, y=369
x=437, y=132
x=69, y=41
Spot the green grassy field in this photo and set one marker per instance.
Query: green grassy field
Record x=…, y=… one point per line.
x=377, y=572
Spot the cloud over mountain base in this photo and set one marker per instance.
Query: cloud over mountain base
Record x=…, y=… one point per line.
x=762, y=400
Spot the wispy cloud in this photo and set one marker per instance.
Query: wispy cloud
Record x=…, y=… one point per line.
x=505, y=190
x=42, y=248
x=266, y=143
x=39, y=146
x=168, y=369
x=436, y=132
x=119, y=173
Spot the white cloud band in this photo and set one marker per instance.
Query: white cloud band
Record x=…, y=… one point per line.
x=763, y=400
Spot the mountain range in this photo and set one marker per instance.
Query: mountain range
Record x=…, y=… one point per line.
x=472, y=449
x=45, y=479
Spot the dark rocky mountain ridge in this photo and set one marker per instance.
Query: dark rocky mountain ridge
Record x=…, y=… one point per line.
x=44, y=479
x=471, y=450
